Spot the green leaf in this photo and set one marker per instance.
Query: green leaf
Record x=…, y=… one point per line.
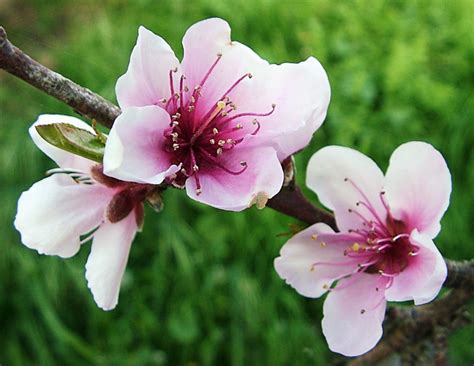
x=74, y=140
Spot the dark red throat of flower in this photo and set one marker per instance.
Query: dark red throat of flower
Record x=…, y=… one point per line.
x=384, y=245
x=202, y=142
x=128, y=197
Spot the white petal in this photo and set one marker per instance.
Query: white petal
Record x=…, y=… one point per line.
x=147, y=78
x=341, y=177
x=56, y=211
x=312, y=259
x=353, y=315
x=108, y=258
x=418, y=185
x=135, y=147
x=63, y=158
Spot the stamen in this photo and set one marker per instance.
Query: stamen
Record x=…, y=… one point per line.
x=215, y=162
x=255, y=122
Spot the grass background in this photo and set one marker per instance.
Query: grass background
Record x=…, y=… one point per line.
x=200, y=288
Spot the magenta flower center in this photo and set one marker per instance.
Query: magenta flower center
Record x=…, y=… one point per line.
x=384, y=246
x=203, y=142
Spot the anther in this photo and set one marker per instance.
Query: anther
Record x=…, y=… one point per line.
x=212, y=141
x=355, y=247
x=239, y=126
x=186, y=89
x=221, y=104
x=322, y=244
x=326, y=287
x=230, y=141
x=215, y=131
x=195, y=168
x=221, y=143
x=175, y=69
x=219, y=151
x=175, y=123
x=250, y=76
x=346, y=179
x=243, y=163
x=362, y=311
x=175, y=147
x=163, y=100
x=190, y=108
x=198, y=191
x=314, y=237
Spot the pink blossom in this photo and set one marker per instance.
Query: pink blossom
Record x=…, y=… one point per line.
x=384, y=250
x=218, y=123
x=79, y=201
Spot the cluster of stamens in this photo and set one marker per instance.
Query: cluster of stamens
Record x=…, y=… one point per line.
x=382, y=247
x=196, y=142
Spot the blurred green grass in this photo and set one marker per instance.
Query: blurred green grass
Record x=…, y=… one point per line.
x=200, y=288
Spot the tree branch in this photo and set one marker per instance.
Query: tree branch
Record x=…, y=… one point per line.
x=82, y=100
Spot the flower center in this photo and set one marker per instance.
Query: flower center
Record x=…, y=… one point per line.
x=384, y=247
x=203, y=141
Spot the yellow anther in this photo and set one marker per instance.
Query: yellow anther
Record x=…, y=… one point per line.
x=221, y=104
x=314, y=237
x=322, y=244
x=355, y=247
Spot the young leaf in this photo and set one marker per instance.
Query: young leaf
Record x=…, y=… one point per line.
x=73, y=139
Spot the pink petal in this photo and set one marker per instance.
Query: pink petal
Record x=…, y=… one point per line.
x=353, y=315
x=147, y=78
x=202, y=43
x=422, y=280
x=341, y=177
x=56, y=211
x=301, y=95
x=302, y=260
x=106, y=263
x=220, y=189
x=418, y=185
x=63, y=158
x=300, y=91
x=135, y=147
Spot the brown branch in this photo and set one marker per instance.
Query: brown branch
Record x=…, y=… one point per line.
x=460, y=274
x=82, y=100
x=292, y=202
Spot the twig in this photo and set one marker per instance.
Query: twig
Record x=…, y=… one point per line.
x=292, y=202
x=82, y=100
x=460, y=274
